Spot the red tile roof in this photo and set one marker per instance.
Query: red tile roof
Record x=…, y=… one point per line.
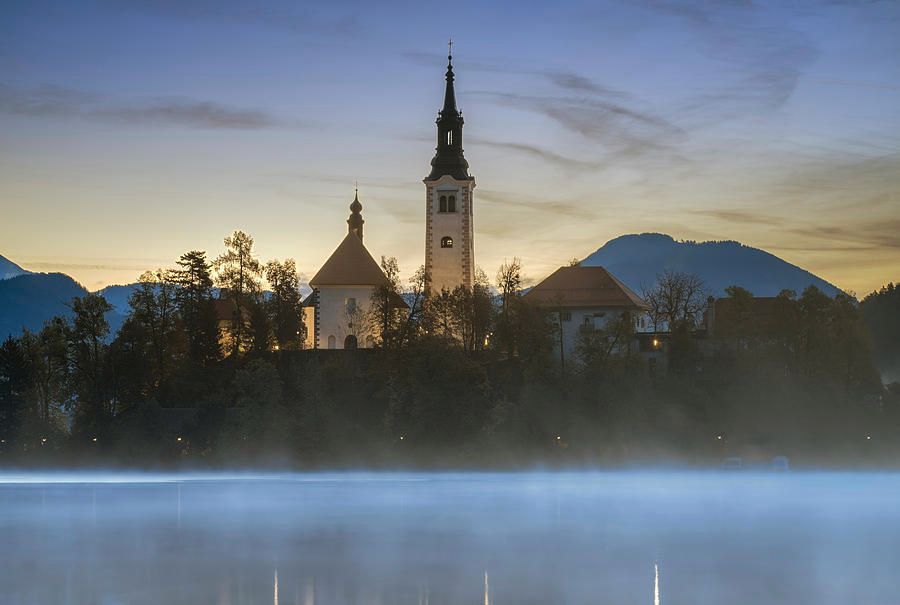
x=349, y=265
x=583, y=288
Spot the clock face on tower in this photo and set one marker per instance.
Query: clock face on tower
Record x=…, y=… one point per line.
x=449, y=241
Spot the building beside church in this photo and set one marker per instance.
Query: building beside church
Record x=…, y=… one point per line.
x=449, y=188
x=586, y=298
x=336, y=313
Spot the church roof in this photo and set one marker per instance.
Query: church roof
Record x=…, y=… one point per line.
x=583, y=287
x=350, y=265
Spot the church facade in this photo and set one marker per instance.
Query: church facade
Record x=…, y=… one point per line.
x=336, y=313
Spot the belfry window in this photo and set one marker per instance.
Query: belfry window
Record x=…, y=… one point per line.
x=449, y=137
x=446, y=242
x=443, y=206
x=451, y=203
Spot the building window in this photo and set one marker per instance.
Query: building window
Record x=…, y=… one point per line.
x=451, y=203
x=350, y=342
x=443, y=205
x=350, y=303
x=332, y=342
x=450, y=137
x=446, y=242
x=565, y=316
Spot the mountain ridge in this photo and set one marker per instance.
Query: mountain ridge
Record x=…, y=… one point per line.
x=9, y=269
x=638, y=258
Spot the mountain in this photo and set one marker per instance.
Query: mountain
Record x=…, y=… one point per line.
x=27, y=301
x=9, y=269
x=637, y=259
x=118, y=296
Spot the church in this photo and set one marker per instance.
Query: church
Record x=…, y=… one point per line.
x=336, y=312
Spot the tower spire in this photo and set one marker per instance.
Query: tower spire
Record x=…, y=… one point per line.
x=449, y=94
x=355, y=222
x=449, y=159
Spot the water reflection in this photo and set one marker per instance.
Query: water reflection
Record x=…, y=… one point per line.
x=656, y=584
x=452, y=539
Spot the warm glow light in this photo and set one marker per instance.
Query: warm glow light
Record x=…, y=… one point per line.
x=402, y=437
x=178, y=439
x=655, y=343
x=558, y=437
x=94, y=439
x=868, y=437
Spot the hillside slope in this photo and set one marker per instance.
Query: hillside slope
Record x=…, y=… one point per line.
x=638, y=259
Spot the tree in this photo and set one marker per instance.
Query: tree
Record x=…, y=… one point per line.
x=677, y=299
x=284, y=305
x=509, y=284
x=385, y=313
x=238, y=273
x=196, y=306
x=881, y=311
x=462, y=316
x=87, y=348
x=47, y=356
x=412, y=323
x=154, y=310
x=15, y=380
x=595, y=346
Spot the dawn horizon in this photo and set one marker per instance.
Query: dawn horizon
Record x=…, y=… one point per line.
x=134, y=134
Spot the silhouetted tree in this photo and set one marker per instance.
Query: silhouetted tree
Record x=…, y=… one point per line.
x=237, y=273
x=196, y=306
x=677, y=298
x=87, y=348
x=509, y=285
x=386, y=315
x=284, y=304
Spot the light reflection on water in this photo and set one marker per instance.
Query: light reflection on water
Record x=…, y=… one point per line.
x=433, y=539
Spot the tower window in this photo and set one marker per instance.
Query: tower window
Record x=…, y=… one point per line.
x=446, y=242
x=451, y=203
x=449, y=137
x=443, y=205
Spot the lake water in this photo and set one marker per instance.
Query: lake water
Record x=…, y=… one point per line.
x=504, y=539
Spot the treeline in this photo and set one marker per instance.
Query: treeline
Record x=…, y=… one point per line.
x=467, y=378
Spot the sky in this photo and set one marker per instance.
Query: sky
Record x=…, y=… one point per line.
x=131, y=132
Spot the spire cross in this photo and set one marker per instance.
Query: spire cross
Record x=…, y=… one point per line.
x=450, y=47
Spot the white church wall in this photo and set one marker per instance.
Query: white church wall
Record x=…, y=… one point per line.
x=336, y=313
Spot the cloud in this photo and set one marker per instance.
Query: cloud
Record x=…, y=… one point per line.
x=542, y=154
x=740, y=217
x=259, y=14
x=872, y=234
x=762, y=58
x=562, y=79
x=542, y=205
x=618, y=128
x=55, y=101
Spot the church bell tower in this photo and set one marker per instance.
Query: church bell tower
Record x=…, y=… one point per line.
x=449, y=245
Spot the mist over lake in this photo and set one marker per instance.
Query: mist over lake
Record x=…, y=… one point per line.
x=449, y=538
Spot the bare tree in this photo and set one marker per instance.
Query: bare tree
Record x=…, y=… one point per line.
x=677, y=299
x=509, y=284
